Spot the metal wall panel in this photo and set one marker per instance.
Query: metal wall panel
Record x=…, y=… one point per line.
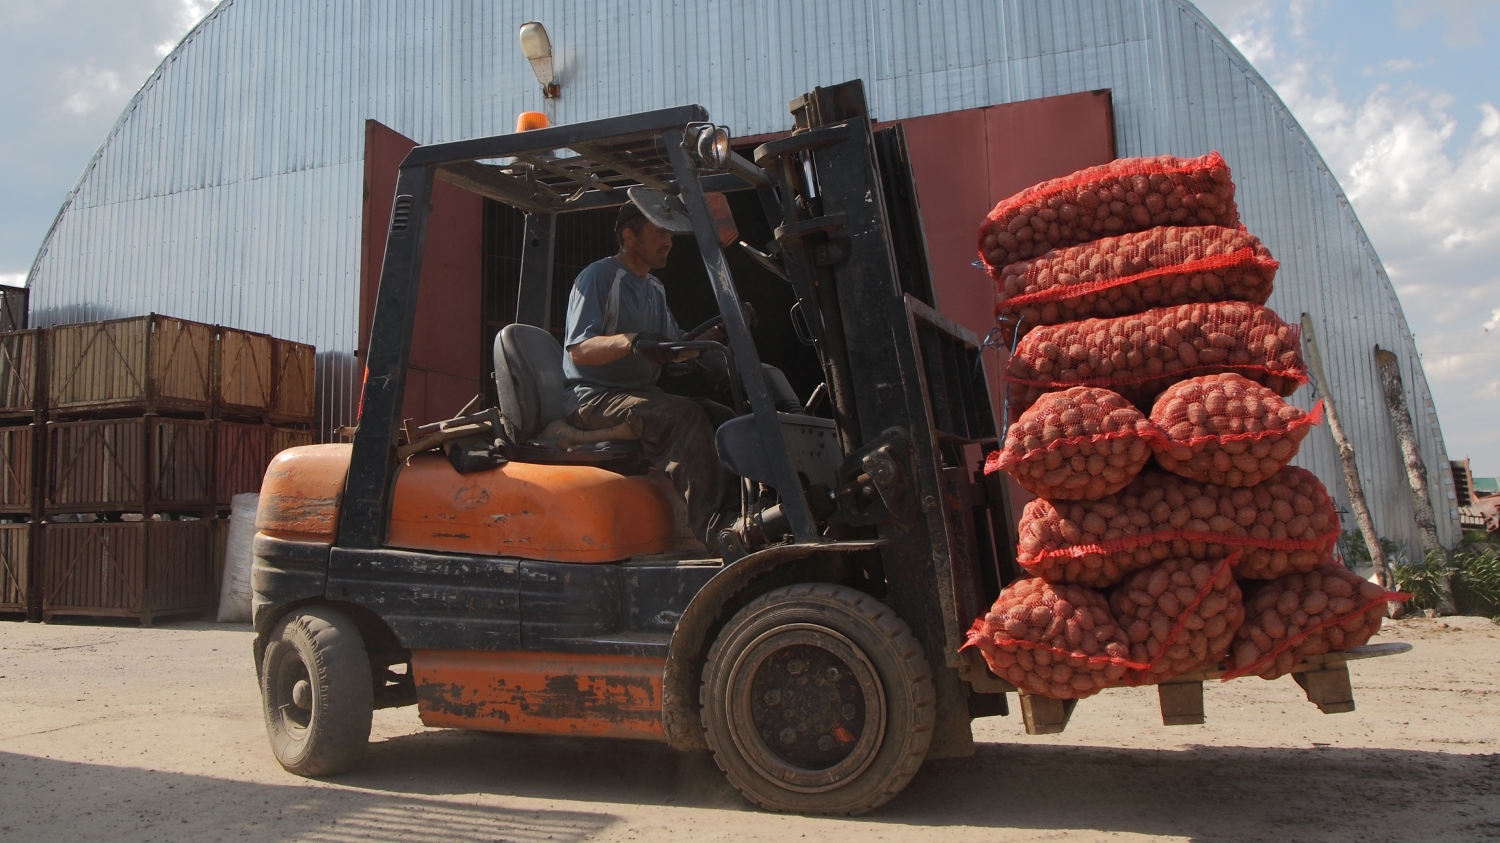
x=230, y=189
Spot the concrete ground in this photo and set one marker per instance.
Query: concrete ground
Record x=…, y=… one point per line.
x=109, y=732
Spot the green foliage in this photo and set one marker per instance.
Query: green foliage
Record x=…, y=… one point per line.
x=1424, y=581
x=1476, y=580
x=1472, y=571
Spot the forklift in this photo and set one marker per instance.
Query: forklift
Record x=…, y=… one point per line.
x=505, y=573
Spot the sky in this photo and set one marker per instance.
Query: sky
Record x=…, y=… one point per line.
x=1401, y=97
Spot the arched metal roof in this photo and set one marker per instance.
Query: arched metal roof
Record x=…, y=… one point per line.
x=230, y=190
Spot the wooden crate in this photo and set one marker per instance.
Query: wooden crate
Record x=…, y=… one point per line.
x=15, y=567
x=21, y=392
x=14, y=307
x=142, y=569
x=146, y=364
x=144, y=464
x=245, y=382
x=241, y=453
x=290, y=437
x=296, y=391
x=18, y=486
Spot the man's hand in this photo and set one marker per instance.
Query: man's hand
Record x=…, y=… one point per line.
x=650, y=346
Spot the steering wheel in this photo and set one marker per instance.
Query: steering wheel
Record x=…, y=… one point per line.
x=703, y=328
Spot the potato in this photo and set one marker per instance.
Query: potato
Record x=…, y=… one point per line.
x=1179, y=616
x=1077, y=444
x=1227, y=429
x=1129, y=194
x=1133, y=273
x=1058, y=641
x=1286, y=524
x=1290, y=618
x=1140, y=355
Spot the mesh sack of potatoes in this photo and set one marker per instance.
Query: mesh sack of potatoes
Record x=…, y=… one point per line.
x=1132, y=273
x=1227, y=429
x=1290, y=618
x=1138, y=356
x=1058, y=641
x=1128, y=194
x=1286, y=524
x=1080, y=443
x=1179, y=616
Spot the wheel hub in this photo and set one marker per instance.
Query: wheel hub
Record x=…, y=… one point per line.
x=813, y=705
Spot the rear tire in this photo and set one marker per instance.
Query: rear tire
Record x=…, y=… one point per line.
x=817, y=699
x=316, y=692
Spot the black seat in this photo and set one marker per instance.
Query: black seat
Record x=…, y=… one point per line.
x=534, y=402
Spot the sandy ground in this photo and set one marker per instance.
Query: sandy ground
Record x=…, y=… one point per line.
x=123, y=734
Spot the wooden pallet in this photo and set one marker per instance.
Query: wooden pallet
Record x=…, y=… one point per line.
x=1324, y=678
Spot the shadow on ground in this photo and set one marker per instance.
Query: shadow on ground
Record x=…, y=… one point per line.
x=1207, y=793
x=47, y=800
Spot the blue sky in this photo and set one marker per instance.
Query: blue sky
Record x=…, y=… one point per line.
x=1401, y=98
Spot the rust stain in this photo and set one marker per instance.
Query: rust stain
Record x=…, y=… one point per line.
x=540, y=693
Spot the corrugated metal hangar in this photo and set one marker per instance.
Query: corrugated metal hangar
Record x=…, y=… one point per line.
x=249, y=182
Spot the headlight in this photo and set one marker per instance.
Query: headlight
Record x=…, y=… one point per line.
x=709, y=144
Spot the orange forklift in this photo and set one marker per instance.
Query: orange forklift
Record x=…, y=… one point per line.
x=504, y=572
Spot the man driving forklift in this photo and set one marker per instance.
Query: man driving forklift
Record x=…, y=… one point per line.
x=618, y=320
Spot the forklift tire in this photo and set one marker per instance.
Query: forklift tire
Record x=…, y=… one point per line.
x=317, y=693
x=816, y=699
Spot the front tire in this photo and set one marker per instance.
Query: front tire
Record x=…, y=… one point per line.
x=316, y=692
x=817, y=699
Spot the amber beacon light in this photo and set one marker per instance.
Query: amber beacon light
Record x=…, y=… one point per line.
x=537, y=47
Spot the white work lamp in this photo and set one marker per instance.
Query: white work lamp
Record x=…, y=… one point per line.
x=537, y=48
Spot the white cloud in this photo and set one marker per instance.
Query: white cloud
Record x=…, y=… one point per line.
x=188, y=13
x=12, y=279
x=89, y=88
x=1428, y=195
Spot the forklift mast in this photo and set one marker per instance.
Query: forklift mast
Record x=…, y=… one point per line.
x=908, y=386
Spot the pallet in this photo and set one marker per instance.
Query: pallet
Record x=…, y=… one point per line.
x=145, y=364
x=23, y=395
x=144, y=464
x=1324, y=678
x=295, y=375
x=141, y=569
x=244, y=379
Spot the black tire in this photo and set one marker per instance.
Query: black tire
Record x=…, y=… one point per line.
x=322, y=727
x=845, y=681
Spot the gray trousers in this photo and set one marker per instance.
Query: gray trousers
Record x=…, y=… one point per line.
x=678, y=436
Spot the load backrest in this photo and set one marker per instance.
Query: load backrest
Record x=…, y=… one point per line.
x=529, y=379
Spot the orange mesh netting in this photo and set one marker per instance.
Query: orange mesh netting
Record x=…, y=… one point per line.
x=1227, y=429
x=1283, y=525
x=1119, y=276
x=1179, y=616
x=1300, y=615
x=1129, y=194
x=1058, y=641
x=1138, y=356
x=1077, y=444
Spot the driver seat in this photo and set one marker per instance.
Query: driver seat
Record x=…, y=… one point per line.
x=534, y=404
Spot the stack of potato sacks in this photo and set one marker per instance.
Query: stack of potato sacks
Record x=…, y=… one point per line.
x=1135, y=302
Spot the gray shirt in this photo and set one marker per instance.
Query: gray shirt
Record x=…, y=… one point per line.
x=609, y=299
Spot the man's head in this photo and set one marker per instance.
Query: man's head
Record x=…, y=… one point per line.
x=640, y=239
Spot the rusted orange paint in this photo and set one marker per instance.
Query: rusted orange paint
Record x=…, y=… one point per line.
x=557, y=513
x=302, y=491
x=540, y=693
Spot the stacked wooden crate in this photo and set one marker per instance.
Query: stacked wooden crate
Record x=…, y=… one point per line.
x=119, y=458
x=22, y=415
x=129, y=479
x=265, y=404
